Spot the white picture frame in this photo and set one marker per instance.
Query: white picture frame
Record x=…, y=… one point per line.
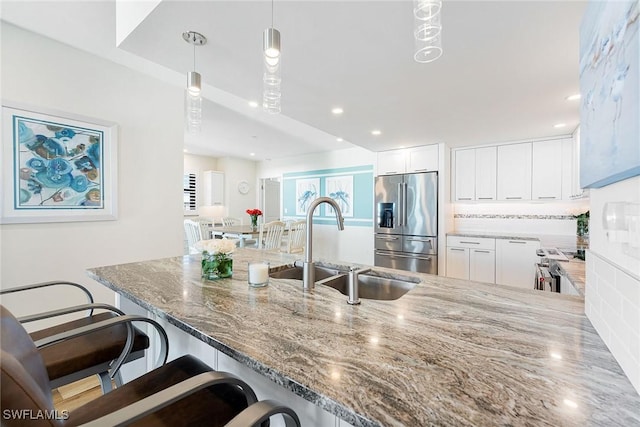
x=56, y=166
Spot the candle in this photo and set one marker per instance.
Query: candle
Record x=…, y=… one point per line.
x=258, y=273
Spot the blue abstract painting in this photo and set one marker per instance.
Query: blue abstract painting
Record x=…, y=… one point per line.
x=609, y=84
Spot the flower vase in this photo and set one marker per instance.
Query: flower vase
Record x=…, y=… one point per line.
x=254, y=222
x=216, y=266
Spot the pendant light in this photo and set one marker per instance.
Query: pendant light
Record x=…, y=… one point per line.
x=193, y=99
x=271, y=94
x=428, y=30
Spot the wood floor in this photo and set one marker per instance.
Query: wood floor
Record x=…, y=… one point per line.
x=76, y=394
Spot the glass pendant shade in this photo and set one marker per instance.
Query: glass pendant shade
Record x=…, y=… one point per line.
x=428, y=30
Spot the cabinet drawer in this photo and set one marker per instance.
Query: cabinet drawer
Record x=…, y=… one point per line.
x=471, y=242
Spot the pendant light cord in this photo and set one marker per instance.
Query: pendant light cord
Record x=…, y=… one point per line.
x=271, y=13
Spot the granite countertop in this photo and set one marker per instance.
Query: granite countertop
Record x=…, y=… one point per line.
x=449, y=352
x=574, y=269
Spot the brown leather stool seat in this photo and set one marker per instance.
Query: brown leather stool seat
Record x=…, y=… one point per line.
x=89, y=351
x=193, y=411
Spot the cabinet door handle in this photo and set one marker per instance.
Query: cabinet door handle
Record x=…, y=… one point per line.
x=464, y=198
x=485, y=198
x=470, y=243
x=513, y=198
x=456, y=249
x=390, y=172
x=546, y=197
x=386, y=238
x=518, y=241
x=421, y=170
x=483, y=252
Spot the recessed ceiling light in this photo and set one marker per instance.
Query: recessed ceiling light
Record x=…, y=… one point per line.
x=559, y=125
x=573, y=97
x=185, y=150
x=253, y=104
x=339, y=139
x=337, y=110
x=252, y=154
x=376, y=132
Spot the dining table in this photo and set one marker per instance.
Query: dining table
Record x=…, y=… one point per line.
x=240, y=232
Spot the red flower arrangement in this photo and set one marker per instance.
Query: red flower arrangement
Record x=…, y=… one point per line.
x=254, y=214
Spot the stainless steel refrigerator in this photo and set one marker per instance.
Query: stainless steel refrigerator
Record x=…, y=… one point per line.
x=406, y=229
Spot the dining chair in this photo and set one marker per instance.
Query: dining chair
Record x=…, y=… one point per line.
x=230, y=221
x=100, y=353
x=183, y=392
x=193, y=235
x=271, y=235
x=296, y=236
x=206, y=226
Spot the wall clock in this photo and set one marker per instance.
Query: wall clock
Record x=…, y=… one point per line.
x=243, y=187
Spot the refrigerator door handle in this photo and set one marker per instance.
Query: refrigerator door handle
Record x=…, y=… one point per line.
x=400, y=206
x=405, y=218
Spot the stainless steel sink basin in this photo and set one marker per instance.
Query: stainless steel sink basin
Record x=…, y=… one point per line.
x=370, y=285
x=374, y=287
x=295, y=272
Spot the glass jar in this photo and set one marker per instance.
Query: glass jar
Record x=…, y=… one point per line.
x=216, y=266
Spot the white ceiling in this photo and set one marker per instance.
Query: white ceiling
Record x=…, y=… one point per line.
x=504, y=75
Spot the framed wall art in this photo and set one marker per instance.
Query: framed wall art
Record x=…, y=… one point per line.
x=56, y=167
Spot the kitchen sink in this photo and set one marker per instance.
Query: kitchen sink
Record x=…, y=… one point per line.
x=295, y=272
x=371, y=285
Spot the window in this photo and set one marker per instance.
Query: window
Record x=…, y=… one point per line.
x=189, y=193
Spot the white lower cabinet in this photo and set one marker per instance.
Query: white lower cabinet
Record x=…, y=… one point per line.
x=515, y=262
x=458, y=263
x=471, y=258
x=482, y=265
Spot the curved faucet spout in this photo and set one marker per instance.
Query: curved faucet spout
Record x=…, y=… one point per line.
x=308, y=279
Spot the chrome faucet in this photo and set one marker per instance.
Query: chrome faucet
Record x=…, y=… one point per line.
x=308, y=268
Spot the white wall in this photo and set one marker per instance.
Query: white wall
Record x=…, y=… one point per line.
x=354, y=244
x=612, y=300
x=236, y=170
x=44, y=73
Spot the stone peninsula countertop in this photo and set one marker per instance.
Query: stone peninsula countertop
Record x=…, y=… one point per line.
x=449, y=353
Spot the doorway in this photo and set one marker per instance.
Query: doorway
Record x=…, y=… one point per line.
x=270, y=199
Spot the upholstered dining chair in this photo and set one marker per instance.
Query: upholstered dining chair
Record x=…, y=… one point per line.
x=296, y=236
x=193, y=235
x=271, y=235
x=183, y=392
x=101, y=353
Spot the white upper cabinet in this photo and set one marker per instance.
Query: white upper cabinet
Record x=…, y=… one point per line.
x=567, y=168
x=514, y=172
x=417, y=159
x=391, y=162
x=213, y=188
x=422, y=159
x=465, y=178
x=486, y=173
x=547, y=170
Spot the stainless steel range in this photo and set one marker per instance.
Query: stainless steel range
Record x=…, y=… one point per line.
x=406, y=231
